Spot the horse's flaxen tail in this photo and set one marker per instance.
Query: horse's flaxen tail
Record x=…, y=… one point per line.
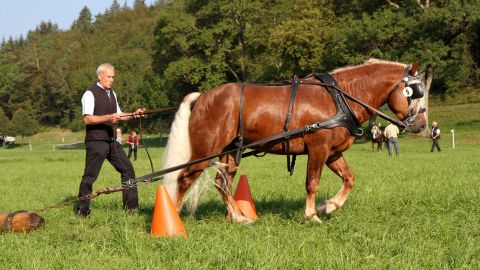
x=178, y=150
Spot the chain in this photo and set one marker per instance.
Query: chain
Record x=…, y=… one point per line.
x=106, y=190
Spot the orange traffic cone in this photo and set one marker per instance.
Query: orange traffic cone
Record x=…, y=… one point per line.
x=243, y=198
x=166, y=221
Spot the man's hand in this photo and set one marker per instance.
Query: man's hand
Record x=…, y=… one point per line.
x=139, y=113
x=115, y=118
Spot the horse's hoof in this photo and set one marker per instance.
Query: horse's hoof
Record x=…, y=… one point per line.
x=245, y=221
x=313, y=218
x=322, y=209
x=242, y=219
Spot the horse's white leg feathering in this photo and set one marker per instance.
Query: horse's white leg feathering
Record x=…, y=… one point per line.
x=178, y=150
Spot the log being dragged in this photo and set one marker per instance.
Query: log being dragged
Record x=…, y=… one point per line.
x=20, y=221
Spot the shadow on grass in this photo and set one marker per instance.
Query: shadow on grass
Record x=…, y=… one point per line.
x=281, y=207
x=211, y=210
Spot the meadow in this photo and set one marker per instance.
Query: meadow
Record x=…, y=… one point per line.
x=417, y=211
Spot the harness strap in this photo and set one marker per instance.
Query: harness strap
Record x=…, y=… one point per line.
x=293, y=93
x=345, y=116
x=239, y=143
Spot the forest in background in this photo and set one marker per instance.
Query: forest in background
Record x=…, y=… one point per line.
x=167, y=49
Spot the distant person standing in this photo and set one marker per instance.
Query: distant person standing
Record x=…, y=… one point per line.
x=132, y=141
x=435, y=135
x=391, y=133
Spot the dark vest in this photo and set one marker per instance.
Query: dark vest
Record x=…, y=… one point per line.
x=103, y=105
x=434, y=132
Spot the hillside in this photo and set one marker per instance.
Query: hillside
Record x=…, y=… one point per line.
x=164, y=50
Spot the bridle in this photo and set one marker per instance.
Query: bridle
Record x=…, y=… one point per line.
x=413, y=90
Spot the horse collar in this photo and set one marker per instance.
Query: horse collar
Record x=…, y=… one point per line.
x=345, y=116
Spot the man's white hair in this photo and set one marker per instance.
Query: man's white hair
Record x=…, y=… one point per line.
x=103, y=66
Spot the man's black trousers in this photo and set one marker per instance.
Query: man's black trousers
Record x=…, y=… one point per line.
x=97, y=152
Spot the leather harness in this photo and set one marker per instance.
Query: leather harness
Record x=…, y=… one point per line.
x=344, y=116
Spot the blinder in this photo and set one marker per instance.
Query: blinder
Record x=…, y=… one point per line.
x=413, y=87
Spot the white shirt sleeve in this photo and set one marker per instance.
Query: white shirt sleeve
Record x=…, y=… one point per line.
x=88, y=103
x=438, y=131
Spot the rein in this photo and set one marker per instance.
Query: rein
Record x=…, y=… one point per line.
x=372, y=109
x=146, y=112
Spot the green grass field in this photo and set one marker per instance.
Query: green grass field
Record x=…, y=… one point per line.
x=418, y=211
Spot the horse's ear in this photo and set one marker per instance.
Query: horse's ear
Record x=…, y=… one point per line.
x=414, y=70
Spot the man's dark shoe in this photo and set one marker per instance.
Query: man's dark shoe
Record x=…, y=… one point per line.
x=83, y=214
x=132, y=211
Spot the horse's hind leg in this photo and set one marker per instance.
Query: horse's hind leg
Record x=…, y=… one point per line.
x=223, y=183
x=185, y=180
x=340, y=167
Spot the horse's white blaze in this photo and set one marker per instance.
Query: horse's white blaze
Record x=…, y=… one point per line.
x=416, y=105
x=179, y=149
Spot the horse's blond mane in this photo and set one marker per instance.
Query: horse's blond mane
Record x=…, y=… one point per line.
x=370, y=61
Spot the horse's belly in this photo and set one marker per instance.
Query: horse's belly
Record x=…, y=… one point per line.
x=296, y=147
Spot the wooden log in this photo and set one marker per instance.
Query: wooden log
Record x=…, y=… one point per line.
x=20, y=221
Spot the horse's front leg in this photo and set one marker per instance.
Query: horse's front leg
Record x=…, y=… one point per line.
x=316, y=161
x=340, y=167
x=223, y=183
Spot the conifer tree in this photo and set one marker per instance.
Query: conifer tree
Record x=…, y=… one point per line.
x=84, y=21
x=23, y=123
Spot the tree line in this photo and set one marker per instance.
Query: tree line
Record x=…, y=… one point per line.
x=167, y=49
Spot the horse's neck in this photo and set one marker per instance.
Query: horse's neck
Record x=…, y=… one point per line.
x=369, y=87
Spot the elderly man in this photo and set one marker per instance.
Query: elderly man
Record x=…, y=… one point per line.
x=101, y=112
x=391, y=133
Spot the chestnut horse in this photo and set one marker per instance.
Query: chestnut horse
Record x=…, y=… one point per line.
x=207, y=124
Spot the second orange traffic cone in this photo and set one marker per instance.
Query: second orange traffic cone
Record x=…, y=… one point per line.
x=166, y=221
x=243, y=198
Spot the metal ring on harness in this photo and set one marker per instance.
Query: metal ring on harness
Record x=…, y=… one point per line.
x=359, y=131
